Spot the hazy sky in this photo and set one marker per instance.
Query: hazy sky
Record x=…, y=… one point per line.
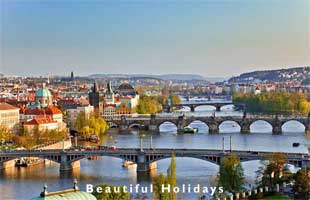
x=207, y=37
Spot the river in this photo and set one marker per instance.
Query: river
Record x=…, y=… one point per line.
x=25, y=183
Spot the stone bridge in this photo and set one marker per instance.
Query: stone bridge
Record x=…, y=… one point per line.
x=146, y=158
x=153, y=122
x=192, y=106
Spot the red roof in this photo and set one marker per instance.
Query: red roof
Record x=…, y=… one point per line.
x=40, y=120
x=6, y=106
x=50, y=110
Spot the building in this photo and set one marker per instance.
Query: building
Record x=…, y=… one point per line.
x=110, y=112
x=74, y=112
x=127, y=96
x=42, y=124
x=123, y=102
x=51, y=111
x=9, y=117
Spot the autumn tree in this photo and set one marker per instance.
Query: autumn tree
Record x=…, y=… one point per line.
x=94, y=125
x=159, y=181
x=5, y=134
x=172, y=177
x=148, y=105
x=108, y=192
x=231, y=176
x=272, y=170
x=302, y=184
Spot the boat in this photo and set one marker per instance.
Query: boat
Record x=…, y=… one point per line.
x=93, y=138
x=189, y=129
x=296, y=144
x=128, y=164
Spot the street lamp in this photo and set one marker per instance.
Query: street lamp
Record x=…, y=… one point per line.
x=141, y=140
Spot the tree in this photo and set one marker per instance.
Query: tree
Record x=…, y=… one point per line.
x=169, y=180
x=231, y=175
x=5, y=134
x=94, y=125
x=158, y=182
x=302, y=184
x=80, y=121
x=175, y=99
x=272, y=171
x=108, y=193
x=172, y=177
x=148, y=105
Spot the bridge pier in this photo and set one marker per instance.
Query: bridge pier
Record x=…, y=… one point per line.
x=213, y=128
x=65, y=164
x=305, y=163
x=146, y=167
x=276, y=130
x=192, y=107
x=142, y=165
x=245, y=127
x=153, y=128
x=218, y=108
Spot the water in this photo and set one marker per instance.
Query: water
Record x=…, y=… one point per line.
x=25, y=183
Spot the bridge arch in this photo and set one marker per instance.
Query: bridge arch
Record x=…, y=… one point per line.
x=135, y=124
x=205, y=108
x=131, y=158
x=293, y=126
x=167, y=126
x=260, y=126
x=227, y=107
x=234, y=126
x=196, y=123
x=214, y=160
x=54, y=158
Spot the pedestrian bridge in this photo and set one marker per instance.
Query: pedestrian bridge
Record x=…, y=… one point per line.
x=145, y=158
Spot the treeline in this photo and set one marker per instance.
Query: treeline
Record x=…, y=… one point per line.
x=275, y=102
x=30, y=139
x=154, y=104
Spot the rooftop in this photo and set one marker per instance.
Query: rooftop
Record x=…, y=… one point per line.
x=6, y=106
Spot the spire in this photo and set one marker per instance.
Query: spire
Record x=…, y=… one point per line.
x=72, y=76
x=95, y=87
x=109, y=87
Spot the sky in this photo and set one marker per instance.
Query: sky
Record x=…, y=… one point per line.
x=213, y=38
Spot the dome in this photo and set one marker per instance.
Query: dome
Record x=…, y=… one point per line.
x=125, y=86
x=77, y=195
x=43, y=92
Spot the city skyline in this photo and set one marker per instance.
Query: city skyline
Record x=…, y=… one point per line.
x=210, y=38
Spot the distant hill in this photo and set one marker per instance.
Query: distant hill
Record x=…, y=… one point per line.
x=185, y=77
x=298, y=74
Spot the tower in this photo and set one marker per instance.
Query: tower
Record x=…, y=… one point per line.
x=72, y=76
x=95, y=99
x=109, y=94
